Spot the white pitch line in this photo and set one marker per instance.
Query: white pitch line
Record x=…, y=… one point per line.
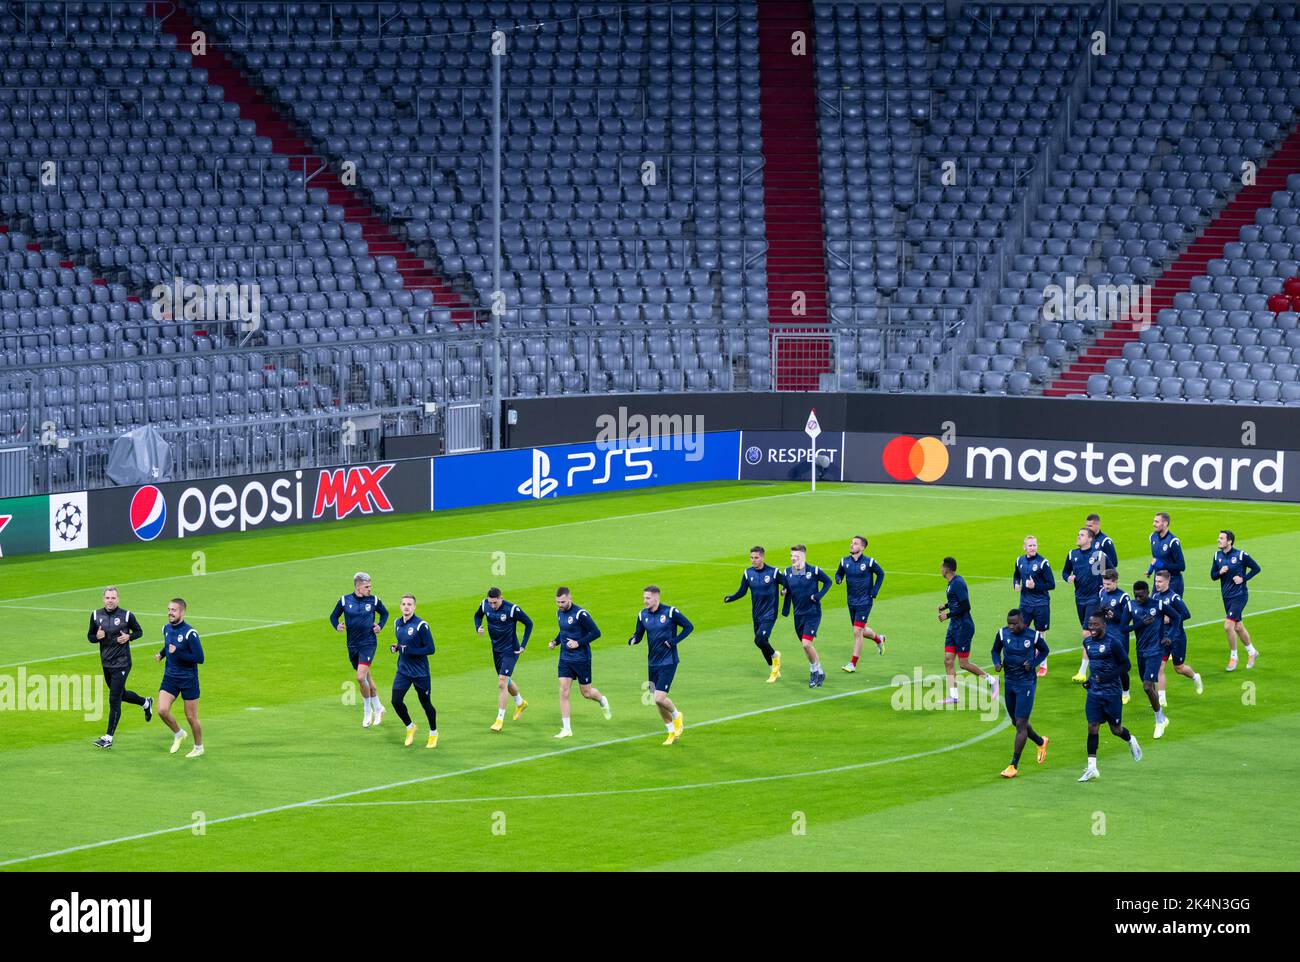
x=467, y=537
x=144, y=644
x=855, y=766
x=83, y=611
x=431, y=778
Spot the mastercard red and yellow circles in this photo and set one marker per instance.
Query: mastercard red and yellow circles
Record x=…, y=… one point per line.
x=906, y=458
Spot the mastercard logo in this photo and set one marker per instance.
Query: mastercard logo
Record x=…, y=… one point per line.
x=907, y=458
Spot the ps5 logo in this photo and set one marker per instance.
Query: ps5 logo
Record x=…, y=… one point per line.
x=626, y=454
x=542, y=485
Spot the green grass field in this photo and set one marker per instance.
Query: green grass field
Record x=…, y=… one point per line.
x=765, y=777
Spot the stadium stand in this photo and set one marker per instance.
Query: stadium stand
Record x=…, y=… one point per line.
x=674, y=184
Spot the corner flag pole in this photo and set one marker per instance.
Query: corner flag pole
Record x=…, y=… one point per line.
x=812, y=429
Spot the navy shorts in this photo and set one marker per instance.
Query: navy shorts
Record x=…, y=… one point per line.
x=505, y=662
x=1039, y=617
x=1178, y=652
x=187, y=688
x=763, y=629
x=1019, y=699
x=807, y=626
x=362, y=654
x=661, y=676
x=1082, y=607
x=858, y=614
x=402, y=683
x=1149, y=663
x=1105, y=707
x=1234, y=609
x=571, y=668
x=959, y=637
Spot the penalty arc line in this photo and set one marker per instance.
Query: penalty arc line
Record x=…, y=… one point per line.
x=314, y=802
x=855, y=766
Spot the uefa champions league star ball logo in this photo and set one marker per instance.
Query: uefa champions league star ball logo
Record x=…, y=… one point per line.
x=753, y=454
x=68, y=522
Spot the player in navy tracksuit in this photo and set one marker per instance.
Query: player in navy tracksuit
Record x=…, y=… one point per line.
x=1176, y=618
x=956, y=611
x=1102, y=540
x=577, y=631
x=183, y=653
x=1108, y=663
x=863, y=576
x=358, y=611
x=1083, y=568
x=502, y=620
x=805, y=586
x=1232, y=568
x=1166, y=552
x=1033, y=579
x=763, y=583
x=1148, y=625
x=664, y=628
x=1117, y=611
x=1017, y=652
x=413, y=647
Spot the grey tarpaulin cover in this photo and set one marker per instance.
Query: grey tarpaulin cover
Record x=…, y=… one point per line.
x=141, y=455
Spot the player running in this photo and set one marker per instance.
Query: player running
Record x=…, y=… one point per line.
x=961, y=632
x=1020, y=649
x=1232, y=568
x=503, y=619
x=184, y=653
x=763, y=584
x=1148, y=624
x=358, y=611
x=1117, y=612
x=413, y=647
x=1033, y=579
x=1102, y=541
x=577, y=632
x=1166, y=552
x=864, y=576
x=1107, y=662
x=1083, y=569
x=805, y=586
x=1176, y=618
x=664, y=627
x=113, y=630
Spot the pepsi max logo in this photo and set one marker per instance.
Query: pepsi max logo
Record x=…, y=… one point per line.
x=148, y=513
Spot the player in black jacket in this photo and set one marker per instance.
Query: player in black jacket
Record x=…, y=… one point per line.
x=113, y=629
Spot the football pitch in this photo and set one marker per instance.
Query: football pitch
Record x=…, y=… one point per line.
x=862, y=774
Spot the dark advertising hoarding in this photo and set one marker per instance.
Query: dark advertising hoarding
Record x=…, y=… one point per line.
x=788, y=456
x=1243, y=473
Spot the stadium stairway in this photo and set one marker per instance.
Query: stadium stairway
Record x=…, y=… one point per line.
x=1219, y=232
x=381, y=239
x=792, y=201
